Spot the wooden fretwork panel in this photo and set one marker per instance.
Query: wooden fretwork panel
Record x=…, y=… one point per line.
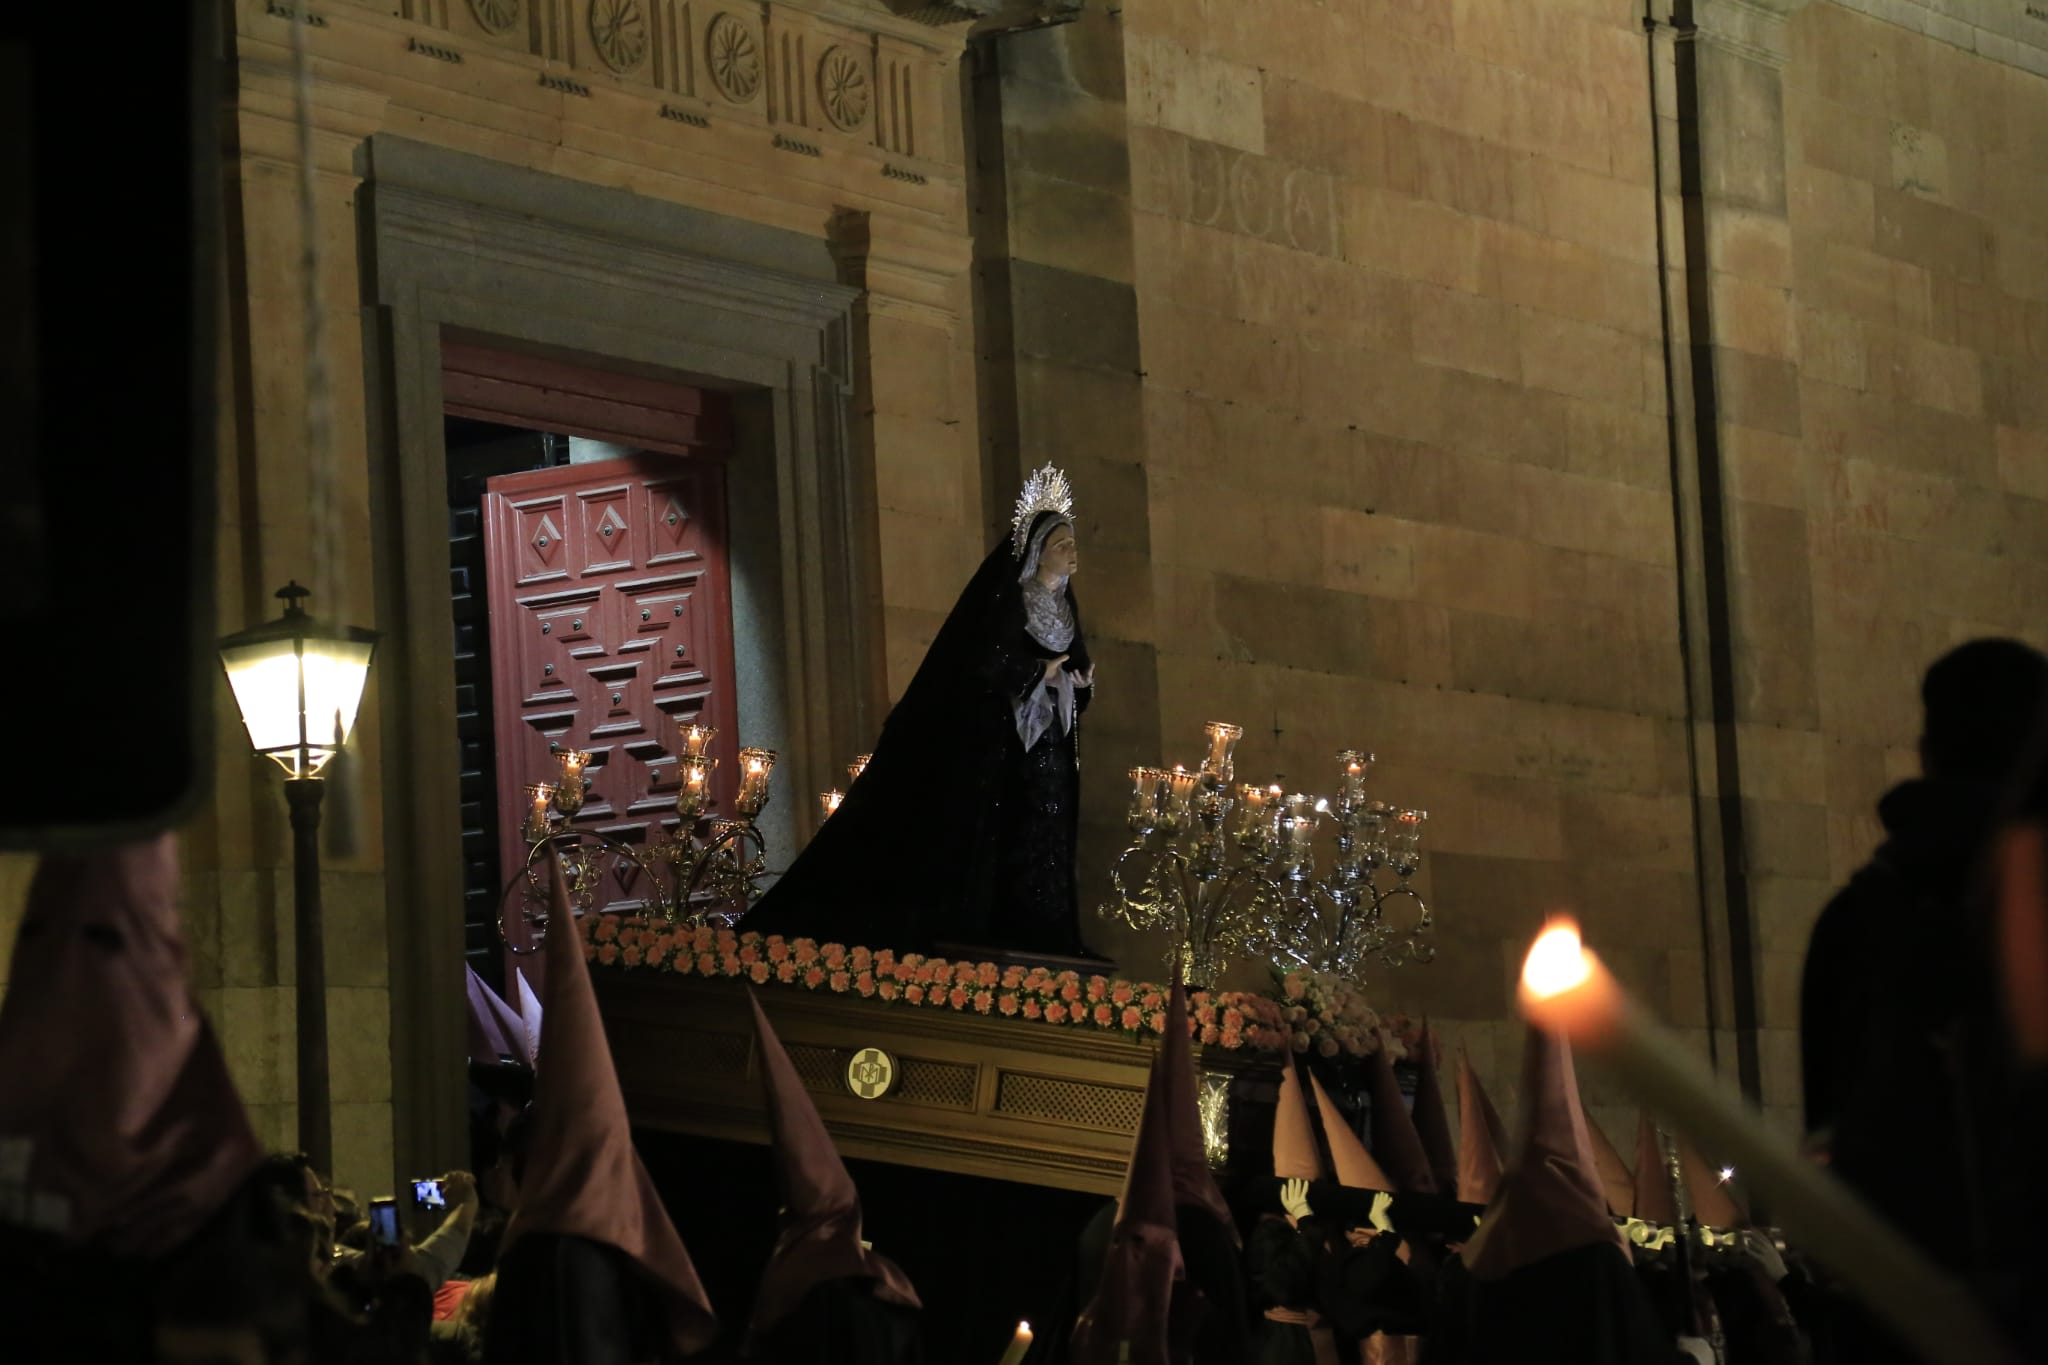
x=611, y=618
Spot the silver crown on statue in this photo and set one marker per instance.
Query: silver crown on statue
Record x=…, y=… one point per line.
x=1045, y=491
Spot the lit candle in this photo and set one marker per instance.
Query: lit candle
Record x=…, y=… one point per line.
x=696, y=738
x=1567, y=990
x=1144, y=793
x=573, y=762
x=1019, y=1344
x=542, y=795
x=1352, y=765
x=696, y=786
x=857, y=767
x=755, y=765
x=1223, y=738
x=1251, y=822
x=828, y=802
x=1182, y=784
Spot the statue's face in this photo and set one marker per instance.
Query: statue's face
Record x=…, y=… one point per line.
x=1059, y=558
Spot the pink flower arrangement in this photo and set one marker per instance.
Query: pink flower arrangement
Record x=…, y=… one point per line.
x=1327, y=1015
x=1303, y=1013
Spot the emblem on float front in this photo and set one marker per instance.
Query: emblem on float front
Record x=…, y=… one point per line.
x=870, y=1074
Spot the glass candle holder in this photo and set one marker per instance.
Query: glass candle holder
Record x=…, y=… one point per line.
x=542, y=795
x=1221, y=762
x=1253, y=817
x=828, y=803
x=1404, y=842
x=1372, y=834
x=694, y=793
x=1180, y=786
x=1144, y=809
x=570, y=782
x=755, y=766
x=1352, y=766
x=696, y=739
x=856, y=768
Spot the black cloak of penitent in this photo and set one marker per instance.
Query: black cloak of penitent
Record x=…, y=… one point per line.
x=955, y=832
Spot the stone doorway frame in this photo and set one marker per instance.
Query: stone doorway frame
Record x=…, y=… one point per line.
x=458, y=242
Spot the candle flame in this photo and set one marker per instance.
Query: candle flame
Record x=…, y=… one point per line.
x=1557, y=961
x=1727, y=1174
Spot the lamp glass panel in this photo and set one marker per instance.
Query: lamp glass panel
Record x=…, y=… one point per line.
x=336, y=671
x=265, y=679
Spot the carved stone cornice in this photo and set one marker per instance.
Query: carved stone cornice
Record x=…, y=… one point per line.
x=1754, y=29
x=500, y=236
x=907, y=271
x=941, y=13
x=267, y=117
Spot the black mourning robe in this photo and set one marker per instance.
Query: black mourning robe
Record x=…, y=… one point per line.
x=1578, y=1307
x=571, y=1301
x=1285, y=1265
x=954, y=832
x=1209, y=1313
x=841, y=1322
x=1368, y=1289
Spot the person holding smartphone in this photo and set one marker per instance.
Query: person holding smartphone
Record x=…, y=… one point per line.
x=434, y=1257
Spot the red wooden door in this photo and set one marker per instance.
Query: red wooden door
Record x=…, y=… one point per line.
x=610, y=619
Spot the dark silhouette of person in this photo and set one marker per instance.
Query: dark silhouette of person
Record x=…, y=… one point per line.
x=1980, y=702
x=1907, y=1074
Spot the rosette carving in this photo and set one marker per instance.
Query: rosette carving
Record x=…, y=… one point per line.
x=732, y=54
x=843, y=89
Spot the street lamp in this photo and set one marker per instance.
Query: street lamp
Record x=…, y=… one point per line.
x=299, y=681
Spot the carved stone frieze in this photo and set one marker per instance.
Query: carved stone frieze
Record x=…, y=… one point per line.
x=844, y=91
x=732, y=56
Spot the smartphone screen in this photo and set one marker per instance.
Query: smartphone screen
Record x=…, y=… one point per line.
x=427, y=1194
x=384, y=1222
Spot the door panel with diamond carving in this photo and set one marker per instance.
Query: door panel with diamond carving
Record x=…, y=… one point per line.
x=611, y=618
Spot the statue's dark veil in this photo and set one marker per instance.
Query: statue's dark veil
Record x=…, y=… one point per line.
x=909, y=859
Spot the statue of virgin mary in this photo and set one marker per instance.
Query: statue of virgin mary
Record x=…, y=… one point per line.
x=962, y=827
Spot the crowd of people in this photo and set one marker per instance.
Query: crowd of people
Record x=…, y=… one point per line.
x=141, y=1219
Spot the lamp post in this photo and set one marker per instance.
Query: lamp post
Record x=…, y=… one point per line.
x=299, y=681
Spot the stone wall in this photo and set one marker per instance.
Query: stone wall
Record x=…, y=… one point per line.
x=753, y=122
x=1605, y=427
x=1413, y=483
x=1890, y=488
x=1410, y=481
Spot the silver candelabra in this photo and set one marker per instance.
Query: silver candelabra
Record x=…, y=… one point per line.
x=1262, y=898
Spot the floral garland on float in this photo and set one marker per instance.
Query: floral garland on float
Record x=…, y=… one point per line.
x=1307, y=1013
